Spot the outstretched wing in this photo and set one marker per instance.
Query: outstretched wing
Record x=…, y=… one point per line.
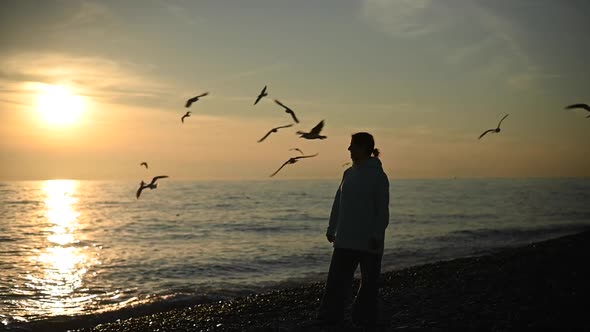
x=582, y=106
x=296, y=149
x=262, y=94
x=300, y=157
x=281, y=127
x=195, y=98
x=265, y=136
x=257, y=99
x=290, y=111
x=316, y=130
x=499, y=123
x=281, y=104
x=144, y=164
x=138, y=193
x=184, y=116
x=485, y=132
x=156, y=178
x=280, y=168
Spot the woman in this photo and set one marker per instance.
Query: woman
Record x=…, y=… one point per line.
x=360, y=214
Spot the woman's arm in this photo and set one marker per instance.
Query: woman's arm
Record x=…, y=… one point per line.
x=381, y=206
x=335, y=213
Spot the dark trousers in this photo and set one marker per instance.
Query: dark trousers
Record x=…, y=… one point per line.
x=339, y=286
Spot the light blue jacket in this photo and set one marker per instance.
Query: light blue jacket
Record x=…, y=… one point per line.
x=360, y=212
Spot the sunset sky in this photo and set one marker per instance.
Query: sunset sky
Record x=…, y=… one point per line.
x=89, y=89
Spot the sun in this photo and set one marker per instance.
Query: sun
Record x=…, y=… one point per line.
x=59, y=106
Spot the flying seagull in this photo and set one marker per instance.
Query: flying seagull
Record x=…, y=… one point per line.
x=151, y=185
x=296, y=149
x=292, y=161
x=262, y=94
x=288, y=110
x=495, y=130
x=194, y=99
x=314, y=133
x=188, y=114
x=274, y=130
x=144, y=164
x=582, y=106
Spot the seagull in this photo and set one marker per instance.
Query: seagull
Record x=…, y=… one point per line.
x=496, y=130
x=144, y=164
x=582, y=106
x=262, y=94
x=188, y=114
x=292, y=161
x=274, y=130
x=194, y=99
x=151, y=185
x=296, y=149
x=288, y=110
x=314, y=133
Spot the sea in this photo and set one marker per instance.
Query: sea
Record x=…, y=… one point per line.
x=71, y=248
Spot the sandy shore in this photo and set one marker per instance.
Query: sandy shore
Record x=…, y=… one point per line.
x=542, y=285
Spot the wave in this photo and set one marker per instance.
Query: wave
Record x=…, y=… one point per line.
x=8, y=239
x=228, y=206
x=301, y=217
x=280, y=228
x=108, y=203
x=433, y=219
x=142, y=307
x=516, y=232
x=24, y=202
x=568, y=215
x=207, y=270
x=470, y=242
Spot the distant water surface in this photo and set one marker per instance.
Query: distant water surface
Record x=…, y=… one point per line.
x=69, y=248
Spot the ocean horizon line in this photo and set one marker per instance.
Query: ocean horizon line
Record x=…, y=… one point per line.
x=258, y=179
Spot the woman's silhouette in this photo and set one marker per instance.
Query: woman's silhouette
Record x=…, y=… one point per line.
x=360, y=214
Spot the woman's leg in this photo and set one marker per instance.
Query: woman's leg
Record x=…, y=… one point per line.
x=338, y=286
x=365, y=309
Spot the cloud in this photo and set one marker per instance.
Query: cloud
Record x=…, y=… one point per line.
x=100, y=78
x=403, y=17
x=85, y=14
x=520, y=66
x=471, y=50
x=181, y=13
x=485, y=42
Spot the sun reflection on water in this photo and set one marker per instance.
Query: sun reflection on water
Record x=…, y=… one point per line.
x=62, y=262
